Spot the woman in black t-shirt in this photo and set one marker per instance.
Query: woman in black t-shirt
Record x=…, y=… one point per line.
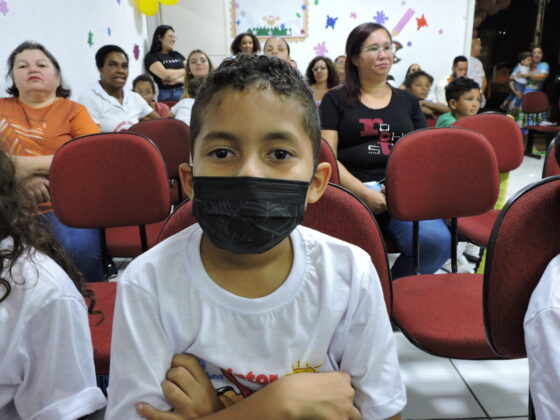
x=166, y=65
x=362, y=119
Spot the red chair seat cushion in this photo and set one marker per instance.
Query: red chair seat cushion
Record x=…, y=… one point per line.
x=543, y=128
x=478, y=228
x=105, y=293
x=125, y=241
x=443, y=314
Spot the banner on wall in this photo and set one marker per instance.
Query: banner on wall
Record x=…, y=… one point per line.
x=265, y=19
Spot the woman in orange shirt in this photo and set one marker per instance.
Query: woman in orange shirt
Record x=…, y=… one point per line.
x=34, y=123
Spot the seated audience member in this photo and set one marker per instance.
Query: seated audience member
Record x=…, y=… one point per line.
x=340, y=62
x=419, y=84
x=144, y=86
x=245, y=43
x=321, y=76
x=166, y=65
x=255, y=140
x=34, y=123
x=198, y=66
x=362, y=120
x=459, y=68
x=182, y=109
x=463, y=98
x=111, y=106
x=411, y=69
x=46, y=368
x=541, y=325
x=518, y=82
x=277, y=47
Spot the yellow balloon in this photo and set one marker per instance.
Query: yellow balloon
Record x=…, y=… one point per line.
x=148, y=7
x=169, y=2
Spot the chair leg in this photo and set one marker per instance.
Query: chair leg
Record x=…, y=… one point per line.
x=529, y=147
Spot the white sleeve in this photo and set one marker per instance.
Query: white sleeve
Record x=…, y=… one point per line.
x=439, y=93
x=543, y=352
x=58, y=372
x=182, y=112
x=140, y=353
x=89, y=102
x=145, y=109
x=369, y=354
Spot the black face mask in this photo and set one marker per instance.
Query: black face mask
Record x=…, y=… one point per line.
x=247, y=215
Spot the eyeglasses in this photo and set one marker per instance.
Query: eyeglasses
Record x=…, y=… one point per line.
x=375, y=49
x=319, y=68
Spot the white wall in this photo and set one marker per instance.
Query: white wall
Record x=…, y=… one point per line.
x=63, y=26
x=206, y=24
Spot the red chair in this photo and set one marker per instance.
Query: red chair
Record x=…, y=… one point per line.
x=327, y=155
x=536, y=103
x=551, y=165
x=108, y=180
x=172, y=139
x=507, y=141
x=338, y=213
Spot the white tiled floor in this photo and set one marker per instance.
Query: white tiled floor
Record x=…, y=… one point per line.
x=441, y=388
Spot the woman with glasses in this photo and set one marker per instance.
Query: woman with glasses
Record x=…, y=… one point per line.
x=321, y=75
x=362, y=119
x=166, y=65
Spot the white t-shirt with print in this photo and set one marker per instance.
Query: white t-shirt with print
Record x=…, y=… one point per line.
x=542, y=332
x=46, y=362
x=183, y=109
x=109, y=113
x=328, y=315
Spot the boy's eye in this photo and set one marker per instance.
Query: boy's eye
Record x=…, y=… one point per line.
x=220, y=153
x=280, y=154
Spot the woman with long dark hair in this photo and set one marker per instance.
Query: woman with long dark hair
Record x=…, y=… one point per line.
x=362, y=119
x=321, y=75
x=245, y=43
x=166, y=65
x=46, y=368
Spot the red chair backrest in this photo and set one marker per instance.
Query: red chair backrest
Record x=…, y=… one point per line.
x=431, y=121
x=171, y=137
x=524, y=240
x=338, y=213
x=534, y=103
x=327, y=155
x=109, y=180
x=551, y=166
x=437, y=173
x=504, y=136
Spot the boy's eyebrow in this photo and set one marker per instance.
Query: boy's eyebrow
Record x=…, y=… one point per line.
x=275, y=135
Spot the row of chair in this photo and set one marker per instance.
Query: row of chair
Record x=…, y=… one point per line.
x=120, y=179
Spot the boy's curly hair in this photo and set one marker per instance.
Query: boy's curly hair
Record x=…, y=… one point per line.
x=19, y=223
x=259, y=72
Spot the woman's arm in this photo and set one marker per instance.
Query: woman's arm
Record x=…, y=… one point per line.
x=435, y=106
x=374, y=199
x=169, y=76
x=151, y=116
x=29, y=166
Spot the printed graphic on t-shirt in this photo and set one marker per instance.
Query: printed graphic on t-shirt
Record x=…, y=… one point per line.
x=381, y=134
x=19, y=140
x=231, y=387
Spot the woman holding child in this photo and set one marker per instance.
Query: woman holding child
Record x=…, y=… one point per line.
x=362, y=120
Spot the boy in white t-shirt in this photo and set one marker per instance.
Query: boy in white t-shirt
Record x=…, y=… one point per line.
x=255, y=297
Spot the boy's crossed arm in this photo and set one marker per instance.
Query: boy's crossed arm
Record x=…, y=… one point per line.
x=302, y=396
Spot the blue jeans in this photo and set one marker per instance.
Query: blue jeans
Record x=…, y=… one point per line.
x=435, y=245
x=83, y=245
x=173, y=94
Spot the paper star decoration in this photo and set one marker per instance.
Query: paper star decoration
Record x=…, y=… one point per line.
x=421, y=22
x=353, y=15
x=331, y=21
x=380, y=17
x=321, y=49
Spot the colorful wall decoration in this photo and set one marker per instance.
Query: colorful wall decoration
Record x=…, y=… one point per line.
x=287, y=19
